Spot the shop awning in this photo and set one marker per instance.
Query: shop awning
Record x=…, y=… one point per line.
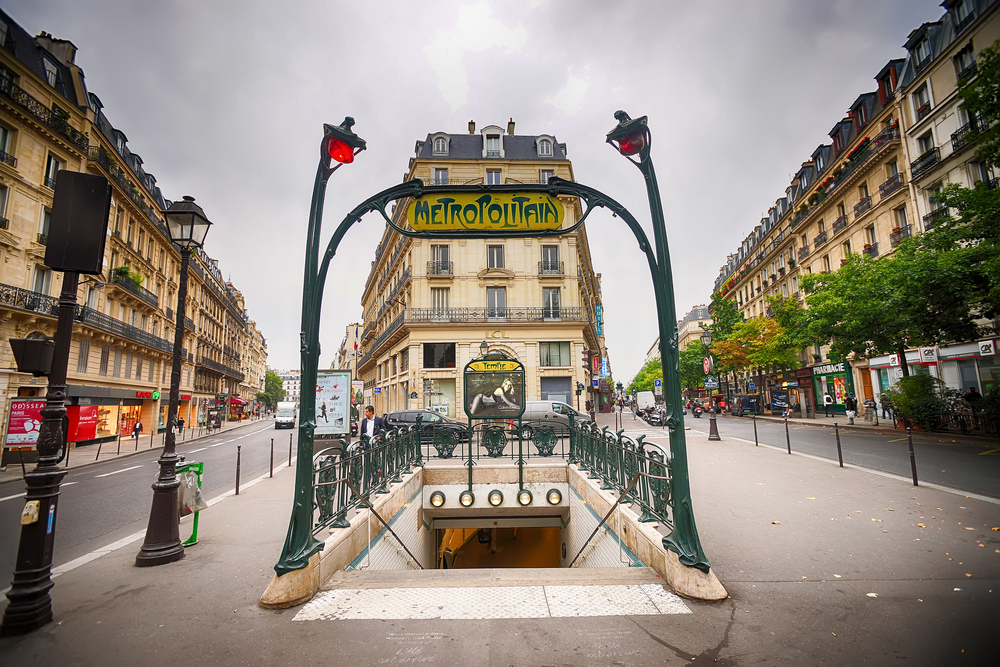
x=236, y=400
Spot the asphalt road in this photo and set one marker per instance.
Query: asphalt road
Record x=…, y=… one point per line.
x=971, y=465
x=106, y=501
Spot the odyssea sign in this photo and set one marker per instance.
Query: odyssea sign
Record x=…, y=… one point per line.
x=495, y=211
x=333, y=400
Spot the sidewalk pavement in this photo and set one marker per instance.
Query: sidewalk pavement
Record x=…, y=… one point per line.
x=118, y=449
x=824, y=565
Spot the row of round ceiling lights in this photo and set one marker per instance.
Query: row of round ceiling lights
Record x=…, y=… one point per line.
x=495, y=497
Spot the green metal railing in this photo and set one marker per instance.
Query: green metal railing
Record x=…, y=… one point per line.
x=612, y=458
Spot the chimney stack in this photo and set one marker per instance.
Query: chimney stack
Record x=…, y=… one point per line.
x=510, y=126
x=472, y=127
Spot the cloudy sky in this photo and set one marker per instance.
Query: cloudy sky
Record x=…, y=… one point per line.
x=225, y=100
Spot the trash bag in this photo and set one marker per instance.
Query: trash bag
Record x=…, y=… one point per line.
x=189, y=494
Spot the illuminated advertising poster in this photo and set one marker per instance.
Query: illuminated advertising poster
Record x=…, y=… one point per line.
x=82, y=422
x=333, y=402
x=23, y=422
x=494, y=389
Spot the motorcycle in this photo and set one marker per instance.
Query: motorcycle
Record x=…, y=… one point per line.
x=697, y=410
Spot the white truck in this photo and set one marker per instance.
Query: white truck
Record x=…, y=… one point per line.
x=284, y=416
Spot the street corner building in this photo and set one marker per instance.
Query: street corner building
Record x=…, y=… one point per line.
x=123, y=330
x=872, y=186
x=429, y=305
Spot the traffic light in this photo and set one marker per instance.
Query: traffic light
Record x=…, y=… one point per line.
x=587, y=355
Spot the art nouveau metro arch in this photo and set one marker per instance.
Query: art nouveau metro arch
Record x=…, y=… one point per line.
x=485, y=211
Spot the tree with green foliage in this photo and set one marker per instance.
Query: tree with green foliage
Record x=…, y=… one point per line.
x=691, y=369
x=273, y=390
x=643, y=380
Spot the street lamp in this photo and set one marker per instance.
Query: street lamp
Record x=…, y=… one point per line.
x=713, y=428
x=631, y=138
x=187, y=226
x=484, y=349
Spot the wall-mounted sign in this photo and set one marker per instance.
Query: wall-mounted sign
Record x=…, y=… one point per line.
x=928, y=356
x=829, y=368
x=494, y=366
x=894, y=360
x=599, y=319
x=987, y=348
x=498, y=211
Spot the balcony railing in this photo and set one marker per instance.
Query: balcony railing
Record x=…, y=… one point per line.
x=43, y=239
x=863, y=206
x=819, y=239
x=436, y=268
x=871, y=250
x=548, y=268
x=8, y=159
x=492, y=153
x=925, y=162
x=965, y=23
x=4, y=223
x=840, y=224
x=102, y=321
x=903, y=233
x=890, y=185
x=966, y=134
x=189, y=323
x=934, y=216
x=487, y=314
x=968, y=73
x=44, y=114
x=138, y=290
x=803, y=252
x=50, y=183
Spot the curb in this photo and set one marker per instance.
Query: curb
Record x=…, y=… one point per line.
x=883, y=430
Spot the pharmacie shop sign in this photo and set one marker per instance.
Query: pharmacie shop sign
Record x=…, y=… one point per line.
x=495, y=211
x=827, y=369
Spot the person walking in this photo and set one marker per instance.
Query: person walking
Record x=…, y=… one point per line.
x=851, y=405
x=180, y=426
x=136, y=430
x=371, y=425
x=884, y=403
x=827, y=402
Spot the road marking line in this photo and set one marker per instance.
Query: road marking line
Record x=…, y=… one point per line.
x=897, y=440
x=990, y=452
x=17, y=495
x=195, y=451
x=108, y=474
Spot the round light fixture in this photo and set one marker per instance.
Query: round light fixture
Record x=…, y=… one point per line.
x=437, y=499
x=467, y=498
x=524, y=497
x=495, y=497
x=553, y=496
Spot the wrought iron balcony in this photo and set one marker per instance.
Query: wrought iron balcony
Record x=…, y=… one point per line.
x=8, y=159
x=548, y=268
x=925, y=162
x=968, y=73
x=803, y=252
x=43, y=239
x=819, y=239
x=840, y=224
x=965, y=23
x=436, y=268
x=966, y=134
x=188, y=323
x=923, y=63
x=932, y=218
x=863, y=206
x=871, y=250
x=890, y=185
x=135, y=288
x=487, y=314
x=50, y=183
x=41, y=112
x=492, y=153
x=896, y=236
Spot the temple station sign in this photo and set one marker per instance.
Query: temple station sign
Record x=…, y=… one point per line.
x=486, y=212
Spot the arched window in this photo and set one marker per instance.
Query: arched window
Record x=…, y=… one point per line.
x=440, y=145
x=545, y=147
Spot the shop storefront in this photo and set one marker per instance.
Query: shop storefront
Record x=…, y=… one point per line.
x=784, y=393
x=963, y=366
x=835, y=380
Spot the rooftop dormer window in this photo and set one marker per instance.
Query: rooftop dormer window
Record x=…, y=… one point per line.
x=964, y=14
x=819, y=162
x=493, y=145
x=439, y=144
x=922, y=53
x=861, y=116
x=545, y=148
x=803, y=182
x=51, y=72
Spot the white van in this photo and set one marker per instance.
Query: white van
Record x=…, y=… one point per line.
x=645, y=399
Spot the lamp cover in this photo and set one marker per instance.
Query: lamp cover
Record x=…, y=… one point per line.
x=186, y=223
x=706, y=337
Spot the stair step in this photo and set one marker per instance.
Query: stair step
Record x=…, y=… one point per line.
x=472, y=578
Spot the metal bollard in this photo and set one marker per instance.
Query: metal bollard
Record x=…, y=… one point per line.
x=152, y=434
x=289, y=450
x=755, y=443
x=67, y=454
x=840, y=454
x=119, y=443
x=713, y=428
x=272, y=457
x=788, y=440
x=238, y=448
x=913, y=459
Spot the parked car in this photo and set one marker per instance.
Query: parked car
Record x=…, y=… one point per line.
x=538, y=413
x=431, y=422
x=745, y=405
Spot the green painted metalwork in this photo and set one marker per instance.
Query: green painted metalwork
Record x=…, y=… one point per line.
x=495, y=440
x=199, y=469
x=544, y=438
x=631, y=137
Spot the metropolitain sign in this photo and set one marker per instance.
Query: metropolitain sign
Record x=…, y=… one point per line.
x=486, y=212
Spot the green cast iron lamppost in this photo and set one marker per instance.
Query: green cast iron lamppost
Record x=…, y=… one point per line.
x=188, y=226
x=339, y=145
x=632, y=139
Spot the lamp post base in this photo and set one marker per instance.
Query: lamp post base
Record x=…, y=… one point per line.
x=163, y=543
